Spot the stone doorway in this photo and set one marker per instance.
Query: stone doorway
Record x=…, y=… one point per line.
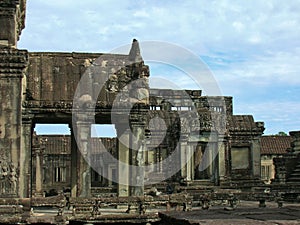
x=205, y=165
x=51, y=159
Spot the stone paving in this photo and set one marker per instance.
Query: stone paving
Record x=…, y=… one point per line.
x=245, y=213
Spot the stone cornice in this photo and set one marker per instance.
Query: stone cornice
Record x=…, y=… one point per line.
x=12, y=62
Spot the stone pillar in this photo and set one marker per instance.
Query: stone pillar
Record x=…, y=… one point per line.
x=83, y=135
x=159, y=159
x=38, y=152
x=25, y=157
x=221, y=159
x=192, y=162
x=74, y=155
x=280, y=169
x=208, y=151
x=228, y=163
x=189, y=162
x=124, y=162
x=138, y=180
x=256, y=160
x=137, y=147
x=183, y=158
x=296, y=141
x=215, y=162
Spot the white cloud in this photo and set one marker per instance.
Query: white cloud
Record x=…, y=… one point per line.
x=217, y=24
x=239, y=26
x=255, y=39
x=265, y=69
x=282, y=116
x=141, y=14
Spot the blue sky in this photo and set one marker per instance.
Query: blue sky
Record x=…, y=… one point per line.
x=251, y=47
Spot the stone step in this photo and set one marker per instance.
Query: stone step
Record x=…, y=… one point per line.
x=294, y=179
x=204, y=182
x=294, y=184
x=156, y=177
x=297, y=174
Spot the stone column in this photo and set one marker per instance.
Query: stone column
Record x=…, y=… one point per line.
x=228, y=164
x=74, y=155
x=138, y=149
x=38, y=152
x=124, y=162
x=189, y=162
x=215, y=162
x=193, y=162
x=208, y=151
x=25, y=157
x=83, y=135
x=183, y=158
x=256, y=160
x=221, y=159
x=138, y=189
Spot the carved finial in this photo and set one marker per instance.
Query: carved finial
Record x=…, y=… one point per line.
x=135, y=53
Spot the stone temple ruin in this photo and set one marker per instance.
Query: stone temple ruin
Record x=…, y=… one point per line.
x=149, y=165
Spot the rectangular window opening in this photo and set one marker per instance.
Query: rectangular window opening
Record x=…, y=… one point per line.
x=60, y=174
x=52, y=129
x=103, y=130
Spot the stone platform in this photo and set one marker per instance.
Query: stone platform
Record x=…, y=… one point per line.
x=219, y=212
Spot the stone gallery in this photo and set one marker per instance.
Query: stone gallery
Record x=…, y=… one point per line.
x=173, y=148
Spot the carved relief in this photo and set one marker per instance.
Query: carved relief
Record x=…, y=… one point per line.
x=206, y=121
x=112, y=84
x=8, y=179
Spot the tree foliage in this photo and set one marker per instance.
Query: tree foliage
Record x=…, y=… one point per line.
x=281, y=133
